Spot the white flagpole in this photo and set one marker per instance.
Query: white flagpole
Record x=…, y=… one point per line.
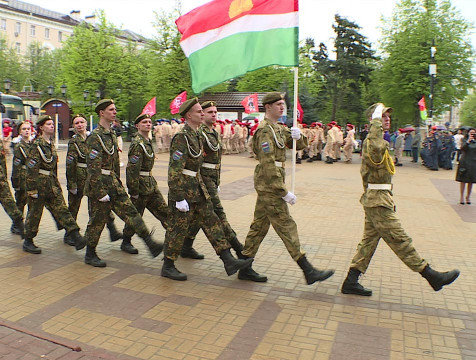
x=293, y=174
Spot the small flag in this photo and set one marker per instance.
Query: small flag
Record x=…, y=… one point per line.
x=300, y=113
x=179, y=100
x=422, y=106
x=250, y=103
x=150, y=108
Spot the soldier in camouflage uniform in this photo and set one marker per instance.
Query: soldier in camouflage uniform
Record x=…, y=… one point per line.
x=43, y=187
x=188, y=197
x=104, y=188
x=380, y=219
x=141, y=185
x=20, y=154
x=76, y=173
x=269, y=144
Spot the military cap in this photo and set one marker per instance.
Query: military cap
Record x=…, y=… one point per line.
x=102, y=104
x=371, y=109
x=208, y=104
x=77, y=116
x=272, y=97
x=42, y=119
x=140, y=118
x=187, y=105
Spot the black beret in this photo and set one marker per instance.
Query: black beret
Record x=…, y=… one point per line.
x=208, y=104
x=102, y=104
x=42, y=119
x=187, y=105
x=140, y=118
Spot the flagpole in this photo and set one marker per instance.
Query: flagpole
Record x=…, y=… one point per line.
x=293, y=159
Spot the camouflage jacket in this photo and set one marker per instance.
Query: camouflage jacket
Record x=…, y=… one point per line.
x=141, y=159
x=20, y=154
x=102, y=157
x=374, y=169
x=269, y=144
x=186, y=155
x=212, y=151
x=42, y=158
x=3, y=163
x=77, y=153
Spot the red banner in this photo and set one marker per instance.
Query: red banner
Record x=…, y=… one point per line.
x=250, y=103
x=300, y=113
x=150, y=108
x=179, y=100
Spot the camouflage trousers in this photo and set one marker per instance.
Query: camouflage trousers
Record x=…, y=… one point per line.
x=155, y=203
x=8, y=203
x=21, y=198
x=272, y=210
x=212, y=189
x=381, y=222
x=74, y=203
x=100, y=214
x=178, y=225
x=51, y=197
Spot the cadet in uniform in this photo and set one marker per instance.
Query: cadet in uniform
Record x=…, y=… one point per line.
x=269, y=144
x=76, y=173
x=104, y=188
x=141, y=185
x=380, y=219
x=44, y=189
x=189, y=201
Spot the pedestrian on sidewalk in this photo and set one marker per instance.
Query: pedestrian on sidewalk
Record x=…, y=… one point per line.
x=466, y=172
x=380, y=219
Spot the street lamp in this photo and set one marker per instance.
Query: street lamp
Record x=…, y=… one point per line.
x=51, y=89
x=7, y=84
x=63, y=90
x=98, y=94
x=85, y=96
x=432, y=71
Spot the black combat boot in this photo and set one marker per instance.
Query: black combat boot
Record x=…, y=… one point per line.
x=170, y=271
x=311, y=274
x=310, y=160
x=92, y=258
x=298, y=160
x=189, y=252
x=114, y=234
x=127, y=247
x=30, y=247
x=351, y=284
x=155, y=248
x=14, y=230
x=237, y=246
x=248, y=273
x=232, y=265
x=18, y=227
x=67, y=240
x=329, y=160
x=439, y=279
x=78, y=240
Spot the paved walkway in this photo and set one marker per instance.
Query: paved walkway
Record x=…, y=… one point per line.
x=53, y=304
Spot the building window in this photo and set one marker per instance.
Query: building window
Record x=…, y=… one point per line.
x=18, y=28
x=18, y=48
x=3, y=24
x=33, y=30
x=47, y=33
x=60, y=36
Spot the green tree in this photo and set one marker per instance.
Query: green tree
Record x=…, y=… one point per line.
x=403, y=78
x=468, y=111
x=10, y=66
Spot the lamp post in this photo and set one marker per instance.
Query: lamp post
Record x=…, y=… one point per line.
x=7, y=84
x=432, y=71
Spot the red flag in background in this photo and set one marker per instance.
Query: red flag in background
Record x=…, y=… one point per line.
x=250, y=103
x=300, y=113
x=422, y=106
x=179, y=100
x=150, y=108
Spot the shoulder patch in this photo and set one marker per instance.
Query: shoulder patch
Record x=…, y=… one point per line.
x=17, y=161
x=69, y=159
x=31, y=163
x=177, y=155
x=93, y=154
x=134, y=159
x=265, y=147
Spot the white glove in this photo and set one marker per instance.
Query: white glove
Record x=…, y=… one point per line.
x=295, y=133
x=135, y=196
x=34, y=196
x=73, y=191
x=378, y=112
x=218, y=189
x=105, y=198
x=290, y=198
x=182, y=205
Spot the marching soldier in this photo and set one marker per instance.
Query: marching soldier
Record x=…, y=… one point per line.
x=269, y=144
x=330, y=144
x=104, y=189
x=349, y=143
x=141, y=185
x=189, y=201
x=43, y=188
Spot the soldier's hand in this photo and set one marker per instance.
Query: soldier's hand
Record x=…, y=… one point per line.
x=295, y=133
x=105, y=198
x=218, y=189
x=135, y=196
x=182, y=205
x=73, y=191
x=290, y=198
x=378, y=111
x=34, y=196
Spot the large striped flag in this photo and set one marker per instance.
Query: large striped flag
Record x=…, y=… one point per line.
x=227, y=38
x=422, y=107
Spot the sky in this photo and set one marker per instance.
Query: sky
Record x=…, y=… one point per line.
x=315, y=16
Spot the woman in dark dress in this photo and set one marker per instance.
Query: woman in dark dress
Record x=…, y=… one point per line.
x=466, y=173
